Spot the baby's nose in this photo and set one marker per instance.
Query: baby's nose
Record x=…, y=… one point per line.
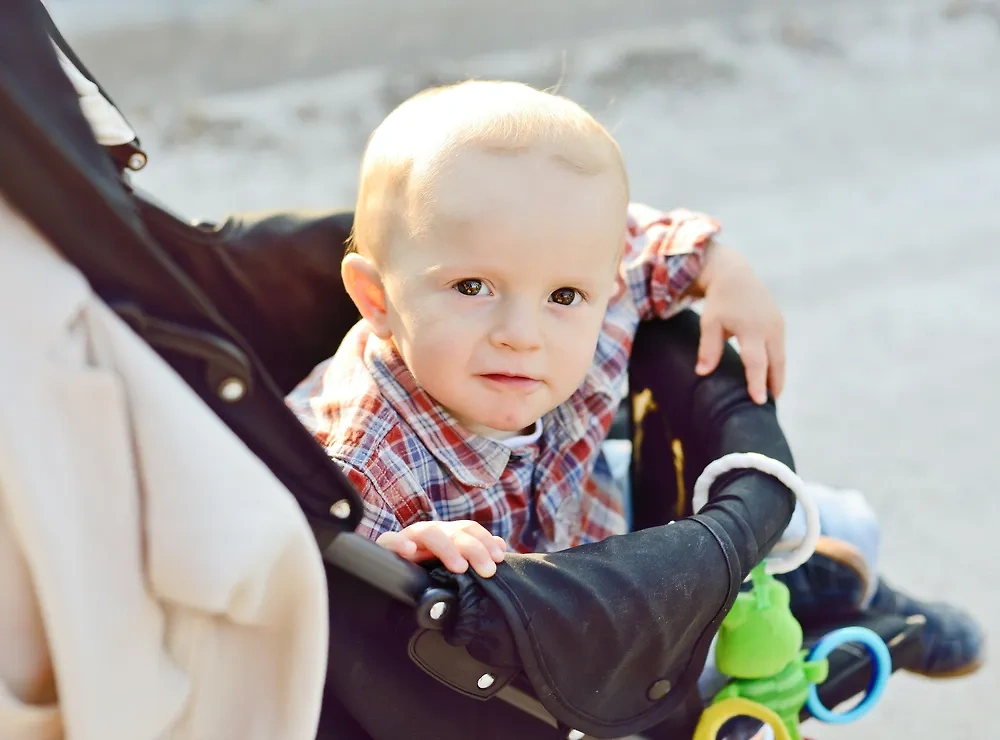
x=518, y=330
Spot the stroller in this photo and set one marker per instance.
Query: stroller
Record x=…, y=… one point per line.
x=604, y=640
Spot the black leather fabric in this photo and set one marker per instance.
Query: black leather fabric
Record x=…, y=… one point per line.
x=275, y=277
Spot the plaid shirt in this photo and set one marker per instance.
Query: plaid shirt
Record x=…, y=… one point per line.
x=411, y=460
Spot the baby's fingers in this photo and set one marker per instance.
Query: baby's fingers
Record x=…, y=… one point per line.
x=398, y=543
x=711, y=345
x=478, y=554
x=418, y=543
x=754, y=357
x=493, y=544
x=440, y=544
x=776, y=371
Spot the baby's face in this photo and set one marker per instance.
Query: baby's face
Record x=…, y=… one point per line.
x=497, y=305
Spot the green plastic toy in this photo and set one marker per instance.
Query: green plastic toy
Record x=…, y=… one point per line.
x=760, y=648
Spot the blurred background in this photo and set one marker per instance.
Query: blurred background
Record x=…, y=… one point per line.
x=851, y=148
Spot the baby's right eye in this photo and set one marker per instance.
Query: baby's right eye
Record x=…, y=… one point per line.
x=469, y=287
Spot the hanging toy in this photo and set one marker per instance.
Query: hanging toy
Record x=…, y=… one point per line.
x=759, y=645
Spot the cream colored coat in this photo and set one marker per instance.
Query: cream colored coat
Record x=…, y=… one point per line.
x=156, y=580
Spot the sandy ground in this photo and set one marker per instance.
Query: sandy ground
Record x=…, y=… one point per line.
x=851, y=149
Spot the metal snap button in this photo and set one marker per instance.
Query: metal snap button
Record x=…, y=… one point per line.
x=232, y=390
x=659, y=689
x=341, y=509
x=485, y=681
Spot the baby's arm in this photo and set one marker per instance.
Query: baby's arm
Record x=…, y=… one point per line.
x=671, y=258
x=456, y=544
x=665, y=254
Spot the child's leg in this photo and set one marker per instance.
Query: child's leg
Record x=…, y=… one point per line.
x=849, y=545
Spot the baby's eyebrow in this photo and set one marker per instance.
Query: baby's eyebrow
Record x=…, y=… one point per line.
x=467, y=270
x=586, y=283
x=434, y=270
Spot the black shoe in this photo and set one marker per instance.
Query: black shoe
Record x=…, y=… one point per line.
x=953, y=641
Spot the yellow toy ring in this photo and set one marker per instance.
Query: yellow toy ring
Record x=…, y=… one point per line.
x=716, y=715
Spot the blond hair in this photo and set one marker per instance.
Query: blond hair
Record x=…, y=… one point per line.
x=410, y=147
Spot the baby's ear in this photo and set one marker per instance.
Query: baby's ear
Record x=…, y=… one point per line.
x=364, y=285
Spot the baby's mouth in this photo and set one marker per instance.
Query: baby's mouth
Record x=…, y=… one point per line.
x=510, y=381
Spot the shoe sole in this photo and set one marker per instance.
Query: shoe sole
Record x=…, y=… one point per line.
x=966, y=670
x=962, y=672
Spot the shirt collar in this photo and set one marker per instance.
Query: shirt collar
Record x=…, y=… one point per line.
x=471, y=459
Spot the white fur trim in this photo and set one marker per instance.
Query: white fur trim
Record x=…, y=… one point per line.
x=787, y=561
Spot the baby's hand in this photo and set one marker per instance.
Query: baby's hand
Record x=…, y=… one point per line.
x=456, y=544
x=738, y=304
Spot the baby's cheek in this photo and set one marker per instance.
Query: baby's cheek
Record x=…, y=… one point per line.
x=440, y=349
x=574, y=352
x=448, y=338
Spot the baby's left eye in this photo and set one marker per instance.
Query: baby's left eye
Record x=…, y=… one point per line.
x=566, y=296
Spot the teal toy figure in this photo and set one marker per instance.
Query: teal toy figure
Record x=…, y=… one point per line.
x=760, y=647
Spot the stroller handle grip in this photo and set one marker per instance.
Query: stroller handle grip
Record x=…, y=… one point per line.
x=386, y=571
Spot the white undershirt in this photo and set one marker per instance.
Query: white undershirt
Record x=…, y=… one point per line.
x=521, y=440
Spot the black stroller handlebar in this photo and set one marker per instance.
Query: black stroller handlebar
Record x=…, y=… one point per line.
x=398, y=578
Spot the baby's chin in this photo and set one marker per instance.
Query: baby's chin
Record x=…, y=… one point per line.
x=503, y=424
x=505, y=420
x=491, y=416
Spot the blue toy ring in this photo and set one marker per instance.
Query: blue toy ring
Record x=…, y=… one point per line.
x=881, y=668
